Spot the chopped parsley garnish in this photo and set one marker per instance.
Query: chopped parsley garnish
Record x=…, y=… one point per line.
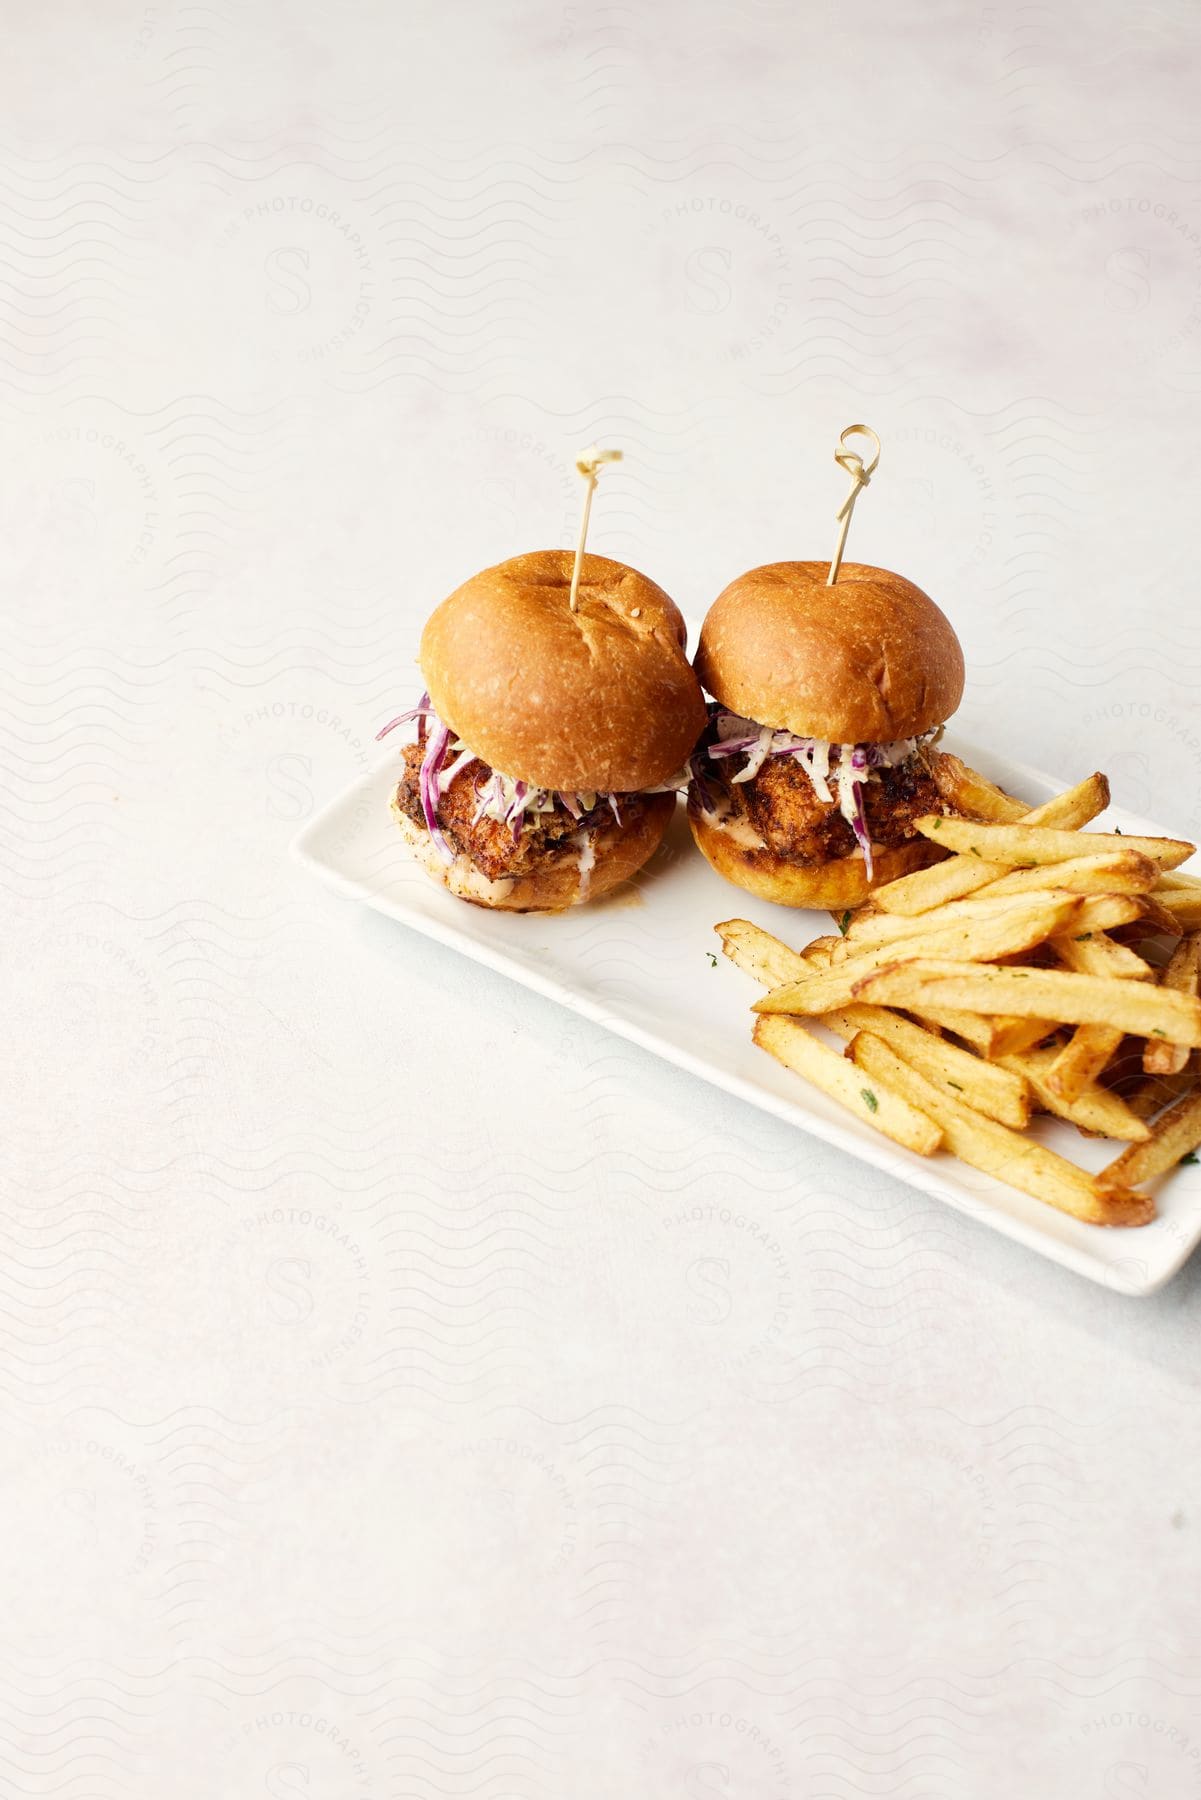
x=869, y=1099
x=1190, y=1157
x=712, y=959
x=844, y=923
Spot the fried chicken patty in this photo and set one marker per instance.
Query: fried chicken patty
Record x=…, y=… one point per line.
x=782, y=806
x=489, y=844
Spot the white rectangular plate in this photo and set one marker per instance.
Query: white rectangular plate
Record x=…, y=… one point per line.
x=638, y=964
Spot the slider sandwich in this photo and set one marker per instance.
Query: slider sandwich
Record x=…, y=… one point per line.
x=820, y=751
x=550, y=743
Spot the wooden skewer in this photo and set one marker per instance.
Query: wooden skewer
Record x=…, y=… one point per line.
x=589, y=465
x=852, y=462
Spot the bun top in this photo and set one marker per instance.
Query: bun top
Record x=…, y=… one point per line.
x=866, y=661
x=602, y=698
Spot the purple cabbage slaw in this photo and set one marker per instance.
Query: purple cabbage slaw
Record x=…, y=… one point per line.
x=503, y=798
x=851, y=766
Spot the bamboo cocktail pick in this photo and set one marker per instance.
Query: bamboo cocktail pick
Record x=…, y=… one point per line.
x=860, y=475
x=589, y=465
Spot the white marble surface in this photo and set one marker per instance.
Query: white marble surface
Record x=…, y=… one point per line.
x=392, y=1396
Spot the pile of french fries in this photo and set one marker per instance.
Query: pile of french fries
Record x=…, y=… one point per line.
x=1039, y=968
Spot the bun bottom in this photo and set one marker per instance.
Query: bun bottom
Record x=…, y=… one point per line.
x=828, y=887
x=560, y=881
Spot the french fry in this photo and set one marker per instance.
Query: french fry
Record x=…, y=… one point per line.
x=998, y=1151
x=1022, y=926
x=1081, y=1060
x=1093, y=1109
x=1093, y=953
x=1105, y=912
x=1012, y=1037
x=928, y=888
x=967, y=791
x=875, y=1104
x=1159, y=1091
x=772, y=963
x=1094, y=912
x=1114, y=872
x=1060, y=994
x=1158, y=917
x=1181, y=973
x=974, y=1028
x=759, y=954
x=1177, y=1133
x=1031, y=845
x=890, y=928
x=1002, y=1093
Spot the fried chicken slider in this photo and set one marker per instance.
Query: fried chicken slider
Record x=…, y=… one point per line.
x=550, y=743
x=820, y=749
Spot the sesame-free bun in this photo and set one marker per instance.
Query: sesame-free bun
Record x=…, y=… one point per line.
x=602, y=698
x=826, y=886
x=558, y=882
x=866, y=661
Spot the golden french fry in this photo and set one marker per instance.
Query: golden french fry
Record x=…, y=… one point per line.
x=1105, y=912
x=974, y=1028
x=1093, y=1109
x=1081, y=1060
x=1159, y=1091
x=1132, y=1006
x=1176, y=1134
x=1002, y=1093
x=1022, y=925
x=998, y=1151
x=758, y=953
x=965, y=790
x=1092, y=953
x=1094, y=912
x=1158, y=917
x=1028, y=846
x=1182, y=973
x=927, y=888
x=768, y=958
x=1012, y=1037
x=1115, y=872
x=874, y=1102
x=1179, y=878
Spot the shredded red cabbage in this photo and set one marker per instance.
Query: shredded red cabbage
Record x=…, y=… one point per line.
x=422, y=710
x=505, y=799
x=849, y=766
x=431, y=765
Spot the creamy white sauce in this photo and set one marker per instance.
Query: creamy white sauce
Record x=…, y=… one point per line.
x=741, y=830
x=587, y=859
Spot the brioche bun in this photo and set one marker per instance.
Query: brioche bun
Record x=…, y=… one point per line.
x=826, y=886
x=602, y=698
x=558, y=882
x=867, y=661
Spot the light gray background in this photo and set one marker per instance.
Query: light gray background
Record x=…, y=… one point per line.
x=405, y=1389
